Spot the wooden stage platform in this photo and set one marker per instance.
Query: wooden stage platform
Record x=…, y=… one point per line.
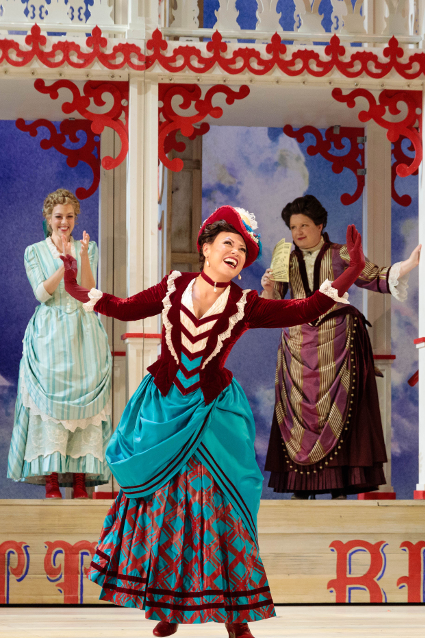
x=291, y=622
x=313, y=551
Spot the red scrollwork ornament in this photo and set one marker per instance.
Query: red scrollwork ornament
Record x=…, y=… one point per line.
x=400, y=157
x=410, y=126
x=115, y=118
x=353, y=159
x=191, y=126
x=175, y=57
x=70, y=131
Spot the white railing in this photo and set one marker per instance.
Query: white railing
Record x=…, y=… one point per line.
x=369, y=21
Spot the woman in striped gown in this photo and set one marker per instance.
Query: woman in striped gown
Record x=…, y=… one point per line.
x=62, y=416
x=326, y=433
x=180, y=540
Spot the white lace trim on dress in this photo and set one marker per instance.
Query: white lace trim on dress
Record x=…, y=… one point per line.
x=232, y=322
x=166, y=309
x=398, y=285
x=326, y=289
x=45, y=438
x=70, y=425
x=55, y=253
x=94, y=296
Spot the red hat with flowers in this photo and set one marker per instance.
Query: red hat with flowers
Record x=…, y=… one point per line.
x=244, y=223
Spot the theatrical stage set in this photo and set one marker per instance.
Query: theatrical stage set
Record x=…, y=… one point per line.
x=212, y=381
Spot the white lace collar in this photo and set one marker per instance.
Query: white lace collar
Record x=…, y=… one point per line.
x=315, y=250
x=217, y=307
x=55, y=253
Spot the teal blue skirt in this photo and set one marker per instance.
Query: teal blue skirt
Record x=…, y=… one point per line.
x=157, y=435
x=180, y=541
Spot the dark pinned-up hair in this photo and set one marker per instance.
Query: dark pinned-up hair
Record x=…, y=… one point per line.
x=308, y=205
x=210, y=233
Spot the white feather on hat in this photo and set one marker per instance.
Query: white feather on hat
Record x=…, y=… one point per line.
x=247, y=217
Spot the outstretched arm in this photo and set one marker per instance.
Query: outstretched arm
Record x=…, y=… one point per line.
x=412, y=262
x=385, y=279
x=147, y=303
x=271, y=313
x=266, y=313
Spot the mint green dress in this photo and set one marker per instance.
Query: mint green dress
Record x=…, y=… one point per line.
x=62, y=416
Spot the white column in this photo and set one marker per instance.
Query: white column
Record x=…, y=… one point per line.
x=377, y=247
x=105, y=279
x=111, y=274
x=420, y=487
x=142, y=223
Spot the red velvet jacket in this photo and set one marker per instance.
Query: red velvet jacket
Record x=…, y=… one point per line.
x=244, y=310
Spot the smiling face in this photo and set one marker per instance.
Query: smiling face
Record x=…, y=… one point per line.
x=226, y=256
x=305, y=233
x=62, y=222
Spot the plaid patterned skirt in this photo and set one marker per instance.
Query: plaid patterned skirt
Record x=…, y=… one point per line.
x=183, y=555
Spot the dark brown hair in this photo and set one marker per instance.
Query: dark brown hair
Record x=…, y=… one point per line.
x=308, y=205
x=210, y=233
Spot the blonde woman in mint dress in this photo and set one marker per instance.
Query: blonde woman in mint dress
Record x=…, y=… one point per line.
x=62, y=419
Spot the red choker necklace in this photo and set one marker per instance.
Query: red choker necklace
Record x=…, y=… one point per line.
x=216, y=284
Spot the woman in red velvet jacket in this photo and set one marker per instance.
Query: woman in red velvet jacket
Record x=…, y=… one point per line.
x=180, y=540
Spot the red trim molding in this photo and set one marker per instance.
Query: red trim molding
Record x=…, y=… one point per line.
x=88, y=152
x=414, y=379
x=140, y=335
x=104, y=495
x=171, y=122
x=176, y=57
x=335, y=138
x=419, y=340
x=377, y=496
x=118, y=353
x=388, y=105
x=419, y=495
x=384, y=357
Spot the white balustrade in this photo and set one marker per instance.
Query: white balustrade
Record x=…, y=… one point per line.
x=268, y=17
x=399, y=17
x=57, y=12
x=227, y=17
x=100, y=13
x=310, y=20
x=364, y=21
x=349, y=19
x=186, y=14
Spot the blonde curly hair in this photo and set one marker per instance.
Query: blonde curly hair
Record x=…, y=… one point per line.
x=60, y=196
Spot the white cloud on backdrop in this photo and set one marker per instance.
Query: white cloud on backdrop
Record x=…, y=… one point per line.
x=263, y=400
x=267, y=175
x=404, y=328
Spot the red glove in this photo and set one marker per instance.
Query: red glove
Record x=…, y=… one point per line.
x=70, y=279
x=357, y=261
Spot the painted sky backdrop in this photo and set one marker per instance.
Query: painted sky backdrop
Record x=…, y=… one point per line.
x=261, y=170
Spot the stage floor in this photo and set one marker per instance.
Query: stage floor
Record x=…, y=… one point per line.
x=292, y=622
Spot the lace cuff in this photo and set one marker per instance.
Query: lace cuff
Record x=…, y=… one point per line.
x=398, y=285
x=326, y=289
x=94, y=296
x=41, y=294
